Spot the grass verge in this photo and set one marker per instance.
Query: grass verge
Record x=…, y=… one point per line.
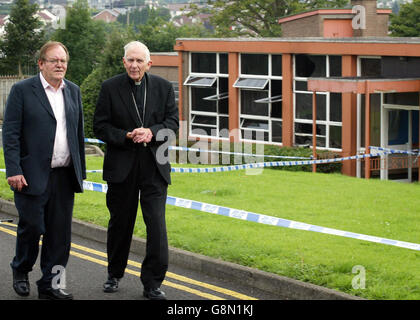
x=378, y=208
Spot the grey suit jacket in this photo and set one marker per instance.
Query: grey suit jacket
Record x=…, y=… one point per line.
x=29, y=131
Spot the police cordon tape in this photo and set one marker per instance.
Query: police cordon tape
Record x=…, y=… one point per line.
x=393, y=151
x=264, y=219
x=179, y=148
x=258, y=165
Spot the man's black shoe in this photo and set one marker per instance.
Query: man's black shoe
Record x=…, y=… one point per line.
x=154, y=294
x=21, y=283
x=111, y=285
x=54, y=294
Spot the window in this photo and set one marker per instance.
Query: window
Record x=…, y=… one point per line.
x=370, y=67
x=250, y=83
x=256, y=64
x=203, y=62
x=208, y=94
x=200, y=81
x=260, y=84
x=328, y=115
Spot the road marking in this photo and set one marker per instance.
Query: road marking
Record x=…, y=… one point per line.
x=136, y=273
x=174, y=276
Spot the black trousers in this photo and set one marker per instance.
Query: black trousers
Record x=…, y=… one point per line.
x=122, y=201
x=49, y=215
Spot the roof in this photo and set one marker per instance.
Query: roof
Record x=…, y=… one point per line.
x=331, y=11
x=399, y=40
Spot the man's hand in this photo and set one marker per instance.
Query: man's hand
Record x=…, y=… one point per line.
x=140, y=135
x=17, y=182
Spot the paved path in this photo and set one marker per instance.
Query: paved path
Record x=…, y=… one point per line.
x=86, y=272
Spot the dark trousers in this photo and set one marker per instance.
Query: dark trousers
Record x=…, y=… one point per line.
x=49, y=215
x=122, y=201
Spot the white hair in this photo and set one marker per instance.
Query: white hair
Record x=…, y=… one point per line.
x=139, y=45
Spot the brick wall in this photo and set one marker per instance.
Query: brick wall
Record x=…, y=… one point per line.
x=305, y=27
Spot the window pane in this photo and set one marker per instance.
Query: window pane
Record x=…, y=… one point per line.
x=310, y=66
x=197, y=102
x=203, y=62
x=306, y=128
x=255, y=124
x=335, y=137
x=335, y=107
x=276, y=131
x=276, y=110
x=370, y=67
x=254, y=135
x=304, y=105
x=248, y=105
x=204, y=131
x=250, y=83
x=276, y=66
x=224, y=103
x=321, y=107
x=223, y=85
x=223, y=63
x=254, y=64
x=198, y=119
x=223, y=106
x=335, y=66
x=224, y=124
x=402, y=98
x=276, y=87
x=301, y=85
x=195, y=81
x=307, y=140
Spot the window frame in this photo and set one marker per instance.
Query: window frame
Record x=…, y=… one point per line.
x=215, y=98
x=268, y=101
x=327, y=122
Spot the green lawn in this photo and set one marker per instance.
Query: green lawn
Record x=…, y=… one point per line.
x=372, y=207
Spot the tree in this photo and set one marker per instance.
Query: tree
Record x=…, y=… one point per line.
x=160, y=36
x=84, y=38
x=258, y=17
x=24, y=36
x=407, y=22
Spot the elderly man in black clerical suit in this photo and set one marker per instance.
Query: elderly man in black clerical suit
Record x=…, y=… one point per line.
x=131, y=110
x=43, y=144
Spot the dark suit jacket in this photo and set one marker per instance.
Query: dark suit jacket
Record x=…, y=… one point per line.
x=115, y=115
x=29, y=132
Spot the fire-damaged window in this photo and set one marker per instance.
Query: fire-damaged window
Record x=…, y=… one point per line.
x=208, y=94
x=260, y=93
x=328, y=116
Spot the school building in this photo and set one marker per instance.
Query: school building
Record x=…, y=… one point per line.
x=339, y=92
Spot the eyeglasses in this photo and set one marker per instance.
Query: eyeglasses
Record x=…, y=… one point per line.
x=56, y=61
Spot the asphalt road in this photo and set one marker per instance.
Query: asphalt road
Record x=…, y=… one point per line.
x=86, y=272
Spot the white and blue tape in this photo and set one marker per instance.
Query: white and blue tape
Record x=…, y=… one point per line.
x=179, y=148
x=394, y=151
x=264, y=219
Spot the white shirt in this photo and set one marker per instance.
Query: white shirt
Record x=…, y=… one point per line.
x=61, y=153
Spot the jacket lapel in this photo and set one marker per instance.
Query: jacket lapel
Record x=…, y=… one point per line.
x=42, y=96
x=68, y=104
x=126, y=98
x=148, y=104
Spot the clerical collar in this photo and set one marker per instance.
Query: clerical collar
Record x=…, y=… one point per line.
x=135, y=83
